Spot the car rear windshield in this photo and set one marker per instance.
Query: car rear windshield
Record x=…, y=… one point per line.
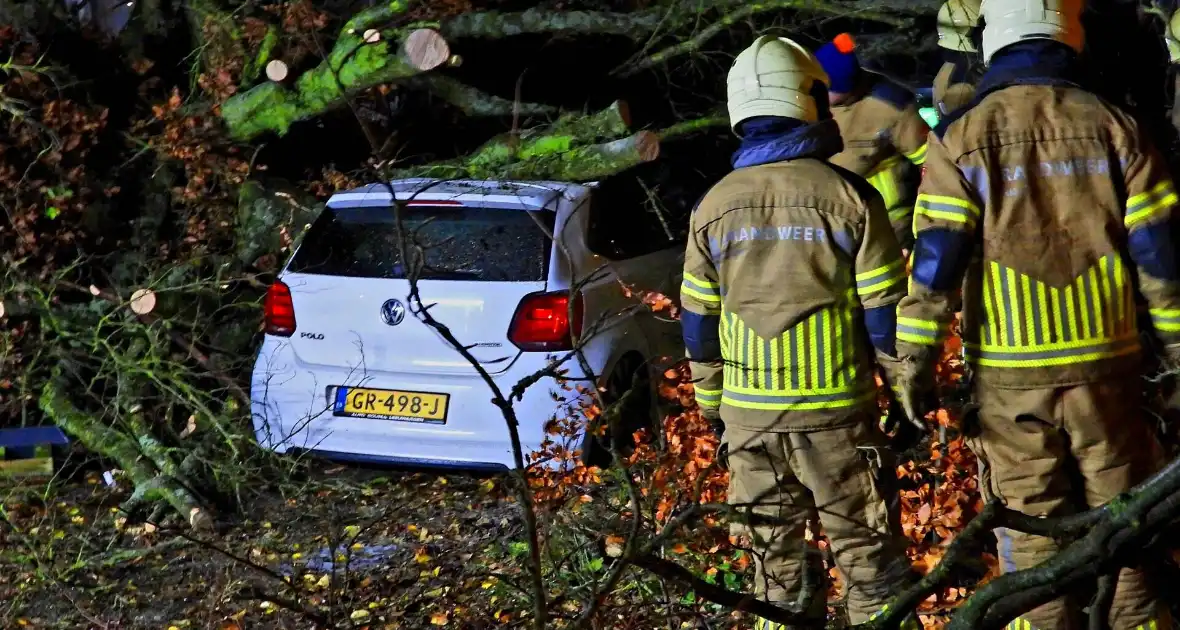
x=460, y=243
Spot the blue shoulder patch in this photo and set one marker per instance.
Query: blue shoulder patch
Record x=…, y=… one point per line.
x=892, y=93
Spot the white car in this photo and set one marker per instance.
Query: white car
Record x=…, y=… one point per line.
x=347, y=371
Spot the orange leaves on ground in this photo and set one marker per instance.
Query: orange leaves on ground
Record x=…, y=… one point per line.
x=655, y=301
x=940, y=495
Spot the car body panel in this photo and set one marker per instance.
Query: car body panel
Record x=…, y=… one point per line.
x=343, y=338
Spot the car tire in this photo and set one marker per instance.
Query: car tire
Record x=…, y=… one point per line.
x=639, y=415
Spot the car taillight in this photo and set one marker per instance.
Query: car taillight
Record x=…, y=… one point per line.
x=279, y=312
x=542, y=322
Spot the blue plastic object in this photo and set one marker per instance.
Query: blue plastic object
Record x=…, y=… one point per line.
x=29, y=450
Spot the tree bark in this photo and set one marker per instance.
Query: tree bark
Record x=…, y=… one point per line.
x=350, y=67
x=547, y=158
x=151, y=484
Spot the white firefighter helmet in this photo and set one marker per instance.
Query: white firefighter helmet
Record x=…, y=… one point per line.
x=1007, y=22
x=773, y=77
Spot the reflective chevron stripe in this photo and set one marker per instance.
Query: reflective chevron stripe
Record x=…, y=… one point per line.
x=1060, y=325
x=813, y=365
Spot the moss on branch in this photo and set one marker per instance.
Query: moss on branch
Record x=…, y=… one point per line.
x=351, y=66
x=151, y=483
x=572, y=148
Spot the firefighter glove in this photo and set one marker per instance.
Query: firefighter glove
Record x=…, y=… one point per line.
x=911, y=378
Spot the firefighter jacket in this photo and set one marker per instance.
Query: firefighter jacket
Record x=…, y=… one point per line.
x=791, y=269
x=1069, y=208
x=954, y=85
x=883, y=134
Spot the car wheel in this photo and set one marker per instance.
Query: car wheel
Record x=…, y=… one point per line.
x=638, y=412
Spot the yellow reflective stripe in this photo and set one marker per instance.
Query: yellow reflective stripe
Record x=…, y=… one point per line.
x=1070, y=313
x=1043, y=306
x=700, y=282
x=880, y=278
x=1063, y=353
x=1120, y=295
x=991, y=310
x=776, y=374
x=1029, y=322
x=1058, y=322
x=1104, y=284
x=1083, y=307
x=1165, y=319
x=825, y=330
x=710, y=300
x=918, y=156
x=1009, y=284
x=882, y=182
x=707, y=397
x=743, y=360
x=759, y=356
x=900, y=213
x=1142, y=207
x=889, y=193
x=1097, y=296
x=920, y=331
x=1001, y=309
x=807, y=367
x=813, y=350
x=849, y=338
x=1139, y=200
x=947, y=209
x=776, y=401
x=727, y=348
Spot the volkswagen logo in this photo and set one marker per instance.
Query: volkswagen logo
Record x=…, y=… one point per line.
x=393, y=312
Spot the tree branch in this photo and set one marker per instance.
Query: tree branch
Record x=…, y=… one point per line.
x=1120, y=528
x=498, y=24
x=351, y=66
x=718, y=595
x=746, y=11
x=475, y=102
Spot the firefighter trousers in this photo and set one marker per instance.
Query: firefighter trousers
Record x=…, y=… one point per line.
x=839, y=478
x=1053, y=452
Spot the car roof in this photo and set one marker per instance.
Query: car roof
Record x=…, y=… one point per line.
x=487, y=193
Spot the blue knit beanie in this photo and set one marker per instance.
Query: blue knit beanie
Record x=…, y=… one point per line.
x=838, y=57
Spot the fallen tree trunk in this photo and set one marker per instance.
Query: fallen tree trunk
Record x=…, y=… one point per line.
x=151, y=482
x=352, y=65
x=355, y=64
x=550, y=158
x=568, y=150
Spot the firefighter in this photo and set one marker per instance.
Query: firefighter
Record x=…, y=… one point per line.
x=785, y=358
x=884, y=135
x=1069, y=207
x=954, y=85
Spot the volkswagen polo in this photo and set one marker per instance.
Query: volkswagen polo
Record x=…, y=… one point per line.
x=346, y=369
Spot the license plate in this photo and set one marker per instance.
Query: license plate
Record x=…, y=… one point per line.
x=391, y=404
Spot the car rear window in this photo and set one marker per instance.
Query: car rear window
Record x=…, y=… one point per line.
x=460, y=243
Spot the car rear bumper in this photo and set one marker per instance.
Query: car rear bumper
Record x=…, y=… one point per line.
x=292, y=409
